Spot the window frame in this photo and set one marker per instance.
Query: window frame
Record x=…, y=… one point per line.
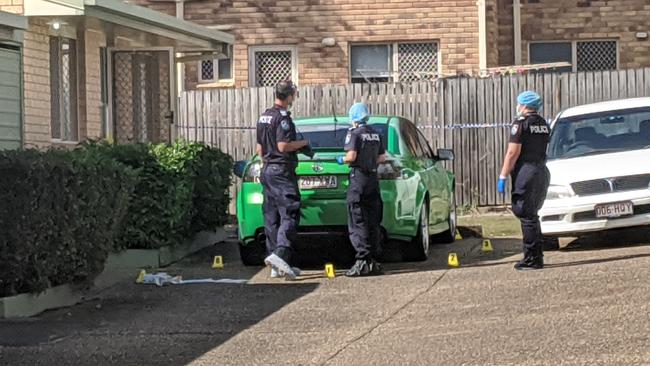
x=252, y=50
x=215, y=72
x=394, y=56
x=574, y=49
x=74, y=85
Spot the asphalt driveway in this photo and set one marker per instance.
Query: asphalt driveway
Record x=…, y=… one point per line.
x=590, y=306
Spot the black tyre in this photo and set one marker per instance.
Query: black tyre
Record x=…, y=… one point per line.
x=253, y=253
x=418, y=248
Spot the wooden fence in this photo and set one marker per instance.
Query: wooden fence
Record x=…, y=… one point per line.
x=469, y=115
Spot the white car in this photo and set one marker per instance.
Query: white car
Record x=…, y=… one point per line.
x=599, y=159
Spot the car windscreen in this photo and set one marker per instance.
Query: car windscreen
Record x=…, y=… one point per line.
x=325, y=136
x=599, y=133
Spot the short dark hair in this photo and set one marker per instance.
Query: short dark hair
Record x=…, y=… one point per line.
x=284, y=89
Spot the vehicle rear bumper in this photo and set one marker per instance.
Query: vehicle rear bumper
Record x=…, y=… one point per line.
x=319, y=218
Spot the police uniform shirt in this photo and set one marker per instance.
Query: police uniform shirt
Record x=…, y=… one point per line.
x=532, y=132
x=275, y=125
x=368, y=144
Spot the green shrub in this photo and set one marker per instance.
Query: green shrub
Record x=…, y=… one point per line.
x=182, y=189
x=62, y=212
x=59, y=214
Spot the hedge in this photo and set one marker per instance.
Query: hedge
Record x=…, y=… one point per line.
x=60, y=213
x=63, y=212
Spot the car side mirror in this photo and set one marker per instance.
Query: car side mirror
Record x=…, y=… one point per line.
x=239, y=168
x=445, y=154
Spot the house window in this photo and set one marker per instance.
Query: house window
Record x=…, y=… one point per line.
x=215, y=70
x=582, y=55
x=270, y=65
x=405, y=62
x=596, y=55
x=63, y=88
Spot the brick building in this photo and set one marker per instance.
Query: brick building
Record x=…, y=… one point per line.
x=101, y=69
x=341, y=41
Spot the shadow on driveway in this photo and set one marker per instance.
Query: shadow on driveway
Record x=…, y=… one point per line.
x=143, y=324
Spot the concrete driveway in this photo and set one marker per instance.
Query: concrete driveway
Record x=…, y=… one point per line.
x=590, y=306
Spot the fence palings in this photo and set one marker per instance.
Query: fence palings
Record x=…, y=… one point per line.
x=469, y=115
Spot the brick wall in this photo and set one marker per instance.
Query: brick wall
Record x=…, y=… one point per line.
x=584, y=19
x=90, y=101
x=36, y=60
x=505, y=33
x=306, y=22
x=12, y=6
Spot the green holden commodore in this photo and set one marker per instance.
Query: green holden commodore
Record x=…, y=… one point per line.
x=416, y=190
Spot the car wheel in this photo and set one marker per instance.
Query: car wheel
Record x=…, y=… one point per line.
x=253, y=253
x=449, y=236
x=418, y=248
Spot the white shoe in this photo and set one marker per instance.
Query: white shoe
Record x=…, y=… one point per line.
x=275, y=273
x=282, y=267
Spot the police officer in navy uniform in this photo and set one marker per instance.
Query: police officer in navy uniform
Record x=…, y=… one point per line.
x=278, y=147
x=365, y=149
x=525, y=162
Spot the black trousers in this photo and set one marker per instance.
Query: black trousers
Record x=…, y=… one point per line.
x=365, y=212
x=281, y=208
x=529, y=186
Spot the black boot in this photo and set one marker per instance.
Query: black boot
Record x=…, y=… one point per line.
x=530, y=263
x=360, y=268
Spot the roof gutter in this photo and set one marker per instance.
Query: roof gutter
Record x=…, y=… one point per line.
x=122, y=11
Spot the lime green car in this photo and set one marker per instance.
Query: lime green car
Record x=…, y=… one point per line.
x=416, y=190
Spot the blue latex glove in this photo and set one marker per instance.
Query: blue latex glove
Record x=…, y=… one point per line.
x=501, y=185
x=339, y=159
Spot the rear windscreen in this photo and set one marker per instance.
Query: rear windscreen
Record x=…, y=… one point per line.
x=329, y=136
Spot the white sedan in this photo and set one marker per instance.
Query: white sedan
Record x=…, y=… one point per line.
x=599, y=159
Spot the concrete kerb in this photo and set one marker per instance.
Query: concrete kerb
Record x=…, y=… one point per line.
x=118, y=267
x=25, y=305
x=125, y=264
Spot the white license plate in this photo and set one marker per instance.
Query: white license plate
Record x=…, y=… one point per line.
x=318, y=182
x=617, y=209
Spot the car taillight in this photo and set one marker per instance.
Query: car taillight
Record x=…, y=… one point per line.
x=389, y=170
x=253, y=172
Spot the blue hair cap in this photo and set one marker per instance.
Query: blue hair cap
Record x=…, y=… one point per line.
x=359, y=113
x=530, y=99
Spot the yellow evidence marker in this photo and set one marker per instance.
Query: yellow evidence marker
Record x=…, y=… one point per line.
x=458, y=236
x=141, y=275
x=329, y=270
x=218, y=262
x=487, y=246
x=453, y=261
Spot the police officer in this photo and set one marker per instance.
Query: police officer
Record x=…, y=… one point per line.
x=365, y=150
x=525, y=162
x=278, y=147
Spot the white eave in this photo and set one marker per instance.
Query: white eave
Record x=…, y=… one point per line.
x=132, y=16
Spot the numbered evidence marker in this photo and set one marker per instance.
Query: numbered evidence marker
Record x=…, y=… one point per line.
x=218, y=262
x=487, y=246
x=329, y=270
x=458, y=236
x=141, y=275
x=453, y=261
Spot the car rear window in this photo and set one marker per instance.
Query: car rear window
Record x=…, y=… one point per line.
x=600, y=133
x=326, y=135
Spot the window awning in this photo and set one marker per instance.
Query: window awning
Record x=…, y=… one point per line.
x=134, y=17
x=9, y=24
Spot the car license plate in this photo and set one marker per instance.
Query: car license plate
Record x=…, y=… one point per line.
x=318, y=182
x=617, y=209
